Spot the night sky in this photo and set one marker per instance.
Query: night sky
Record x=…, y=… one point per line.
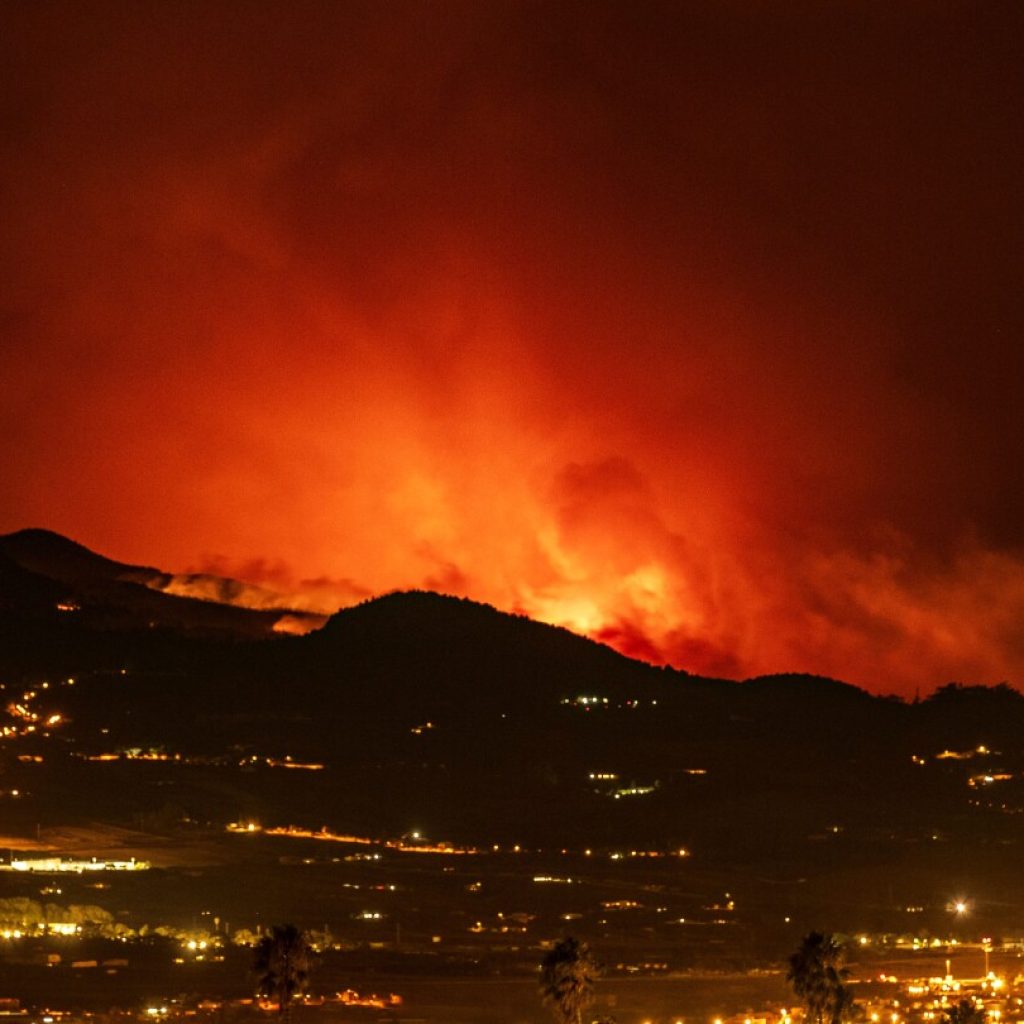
x=695, y=327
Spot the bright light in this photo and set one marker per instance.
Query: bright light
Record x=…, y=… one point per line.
x=960, y=907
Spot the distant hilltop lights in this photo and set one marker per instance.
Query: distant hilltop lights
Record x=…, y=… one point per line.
x=588, y=701
x=414, y=842
x=248, y=762
x=72, y=865
x=618, y=794
x=26, y=719
x=964, y=755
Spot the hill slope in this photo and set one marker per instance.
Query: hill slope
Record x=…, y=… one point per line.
x=105, y=594
x=420, y=704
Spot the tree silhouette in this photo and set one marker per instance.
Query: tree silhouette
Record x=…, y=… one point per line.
x=282, y=964
x=818, y=978
x=965, y=1012
x=568, y=972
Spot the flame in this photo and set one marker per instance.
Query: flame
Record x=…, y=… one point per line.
x=299, y=625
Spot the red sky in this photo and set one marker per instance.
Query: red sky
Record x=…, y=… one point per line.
x=695, y=327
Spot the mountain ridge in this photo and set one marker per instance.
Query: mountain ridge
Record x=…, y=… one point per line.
x=41, y=569
x=106, y=594
x=421, y=704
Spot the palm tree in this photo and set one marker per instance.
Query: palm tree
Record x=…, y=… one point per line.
x=965, y=1012
x=818, y=978
x=282, y=963
x=568, y=971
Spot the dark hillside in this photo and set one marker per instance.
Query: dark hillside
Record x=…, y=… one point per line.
x=457, y=649
x=486, y=724
x=59, y=558
x=106, y=595
x=26, y=591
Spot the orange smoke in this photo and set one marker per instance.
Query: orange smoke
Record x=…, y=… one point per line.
x=645, y=320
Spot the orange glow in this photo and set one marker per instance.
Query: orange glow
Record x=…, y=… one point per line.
x=722, y=382
x=350, y=997
x=505, y=500
x=295, y=625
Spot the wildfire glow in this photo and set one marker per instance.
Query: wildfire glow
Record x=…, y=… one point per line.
x=621, y=348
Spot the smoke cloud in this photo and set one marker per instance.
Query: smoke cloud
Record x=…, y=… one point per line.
x=694, y=328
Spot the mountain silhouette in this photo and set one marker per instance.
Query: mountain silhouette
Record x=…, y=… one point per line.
x=491, y=722
x=107, y=594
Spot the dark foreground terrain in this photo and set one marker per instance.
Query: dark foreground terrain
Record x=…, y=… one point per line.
x=436, y=790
